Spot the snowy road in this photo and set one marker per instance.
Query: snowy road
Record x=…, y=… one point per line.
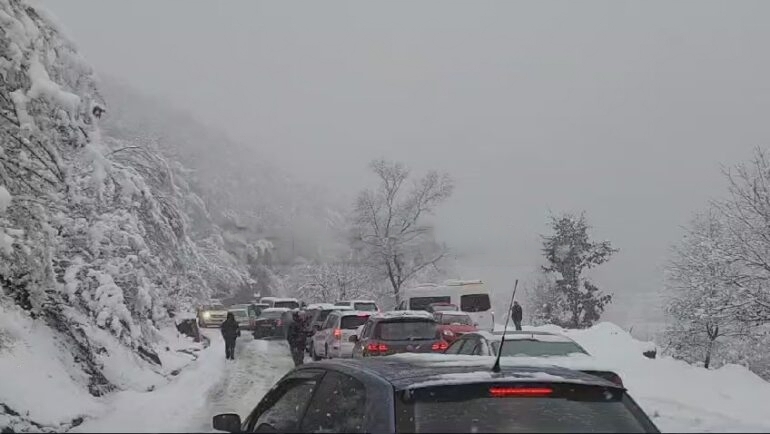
x=211, y=385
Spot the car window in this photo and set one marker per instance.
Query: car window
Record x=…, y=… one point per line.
x=369, y=307
x=535, y=348
x=473, y=408
x=271, y=315
x=322, y=315
x=352, y=322
x=422, y=303
x=366, y=330
x=288, y=304
x=456, y=346
x=469, y=347
x=287, y=406
x=330, y=321
x=338, y=405
x=475, y=303
x=411, y=329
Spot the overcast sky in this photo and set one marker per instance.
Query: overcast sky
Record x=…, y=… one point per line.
x=622, y=109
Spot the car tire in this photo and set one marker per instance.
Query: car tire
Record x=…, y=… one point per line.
x=313, y=355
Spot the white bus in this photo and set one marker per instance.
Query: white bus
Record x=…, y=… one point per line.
x=471, y=296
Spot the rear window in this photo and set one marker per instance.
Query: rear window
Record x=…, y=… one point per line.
x=287, y=304
x=406, y=330
x=366, y=307
x=475, y=303
x=353, y=322
x=240, y=313
x=422, y=303
x=271, y=315
x=342, y=303
x=516, y=347
x=471, y=408
x=456, y=319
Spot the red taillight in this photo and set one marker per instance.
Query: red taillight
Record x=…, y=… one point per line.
x=499, y=392
x=363, y=315
x=377, y=348
x=337, y=334
x=439, y=346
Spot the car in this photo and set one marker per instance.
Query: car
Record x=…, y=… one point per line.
x=291, y=303
x=472, y=296
x=241, y=315
x=211, y=315
x=442, y=307
x=332, y=340
x=316, y=315
x=398, y=332
x=366, y=305
x=452, y=325
x=526, y=344
x=270, y=323
x=255, y=309
x=399, y=395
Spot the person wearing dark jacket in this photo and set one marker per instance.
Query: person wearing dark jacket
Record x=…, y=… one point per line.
x=516, y=315
x=230, y=331
x=297, y=338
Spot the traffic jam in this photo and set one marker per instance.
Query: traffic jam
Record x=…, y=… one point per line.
x=436, y=363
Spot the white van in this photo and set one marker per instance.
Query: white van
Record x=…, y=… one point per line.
x=471, y=296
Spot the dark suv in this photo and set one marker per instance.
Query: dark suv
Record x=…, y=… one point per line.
x=399, y=332
x=400, y=394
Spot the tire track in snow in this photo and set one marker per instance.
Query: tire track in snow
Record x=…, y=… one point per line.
x=258, y=365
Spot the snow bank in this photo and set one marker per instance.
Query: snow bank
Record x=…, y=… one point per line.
x=37, y=378
x=5, y=199
x=678, y=396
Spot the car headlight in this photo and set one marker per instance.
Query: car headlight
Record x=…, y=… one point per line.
x=206, y=315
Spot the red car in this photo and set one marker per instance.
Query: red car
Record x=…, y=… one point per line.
x=452, y=325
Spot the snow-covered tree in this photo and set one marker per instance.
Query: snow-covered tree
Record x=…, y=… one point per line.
x=706, y=303
x=390, y=227
x=569, y=252
x=330, y=282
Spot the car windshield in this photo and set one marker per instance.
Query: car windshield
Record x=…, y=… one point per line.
x=475, y=303
x=287, y=304
x=215, y=307
x=447, y=319
x=463, y=408
x=352, y=322
x=322, y=315
x=534, y=348
x=342, y=303
x=422, y=303
x=365, y=306
x=240, y=314
x=406, y=329
x=271, y=314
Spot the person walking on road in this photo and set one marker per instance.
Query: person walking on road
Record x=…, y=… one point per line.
x=230, y=331
x=297, y=338
x=516, y=315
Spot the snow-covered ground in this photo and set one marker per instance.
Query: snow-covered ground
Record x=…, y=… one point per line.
x=679, y=397
x=211, y=385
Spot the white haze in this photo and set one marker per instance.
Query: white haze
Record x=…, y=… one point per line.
x=622, y=109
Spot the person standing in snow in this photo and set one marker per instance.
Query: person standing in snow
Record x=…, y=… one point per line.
x=517, y=314
x=230, y=331
x=297, y=338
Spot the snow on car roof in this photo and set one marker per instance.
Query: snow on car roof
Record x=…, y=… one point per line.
x=577, y=361
x=277, y=299
x=422, y=370
x=453, y=312
x=276, y=309
x=525, y=335
x=351, y=312
x=404, y=314
x=320, y=306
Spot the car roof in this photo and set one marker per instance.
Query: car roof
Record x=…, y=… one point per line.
x=320, y=306
x=414, y=371
x=350, y=312
x=521, y=334
x=231, y=308
x=357, y=301
x=395, y=314
x=276, y=309
x=279, y=299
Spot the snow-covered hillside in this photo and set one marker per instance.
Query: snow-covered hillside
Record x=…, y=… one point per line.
x=97, y=251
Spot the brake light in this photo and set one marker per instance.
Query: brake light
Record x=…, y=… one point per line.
x=337, y=334
x=375, y=348
x=499, y=392
x=439, y=346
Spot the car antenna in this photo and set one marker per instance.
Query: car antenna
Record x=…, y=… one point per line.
x=496, y=366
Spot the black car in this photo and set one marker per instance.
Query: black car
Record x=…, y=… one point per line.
x=398, y=332
x=270, y=323
x=523, y=344
x=400, y=394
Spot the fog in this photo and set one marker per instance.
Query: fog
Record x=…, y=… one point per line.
x=623, y=109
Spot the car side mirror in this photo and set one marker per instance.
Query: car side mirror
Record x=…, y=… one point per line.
x=228, y=422
x=353, y=339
